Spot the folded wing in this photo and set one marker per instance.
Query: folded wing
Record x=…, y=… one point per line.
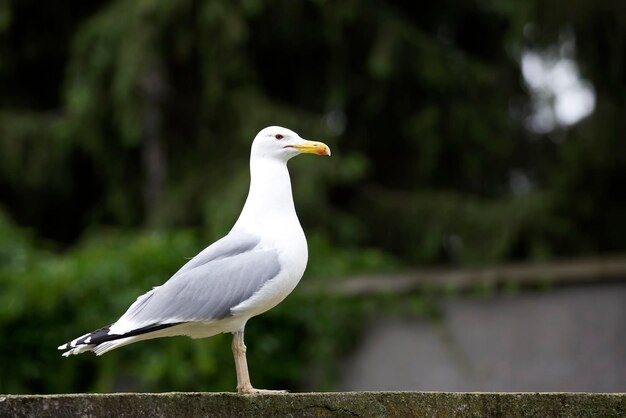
x=222, y=276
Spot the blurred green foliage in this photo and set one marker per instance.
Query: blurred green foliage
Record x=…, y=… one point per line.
x=47, y=298
x=124, y=134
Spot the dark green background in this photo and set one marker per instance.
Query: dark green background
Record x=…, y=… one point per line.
x=125, y=129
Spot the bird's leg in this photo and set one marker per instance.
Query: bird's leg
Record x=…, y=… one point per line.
x=241, y=366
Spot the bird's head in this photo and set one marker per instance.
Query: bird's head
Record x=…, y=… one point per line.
x=282, y=144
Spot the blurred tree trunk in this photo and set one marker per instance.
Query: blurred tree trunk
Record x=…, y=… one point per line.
x=153, y=89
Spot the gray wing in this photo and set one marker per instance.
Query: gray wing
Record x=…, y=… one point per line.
x=234, y=243
x=206, y=288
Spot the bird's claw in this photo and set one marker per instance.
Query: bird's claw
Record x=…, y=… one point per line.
x=253, y=391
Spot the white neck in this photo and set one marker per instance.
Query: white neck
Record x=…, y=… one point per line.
x=270, y=202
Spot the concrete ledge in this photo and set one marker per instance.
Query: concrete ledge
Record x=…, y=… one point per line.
x=360, y=404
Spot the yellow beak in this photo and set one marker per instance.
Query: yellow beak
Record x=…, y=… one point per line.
x=312, y=147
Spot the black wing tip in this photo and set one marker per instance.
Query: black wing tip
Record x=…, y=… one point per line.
x=86, y=339
x=102, y=335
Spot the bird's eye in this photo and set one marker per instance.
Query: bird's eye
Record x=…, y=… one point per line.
x=278, y=136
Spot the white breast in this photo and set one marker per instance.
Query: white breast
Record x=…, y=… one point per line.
x=290, y=244
x=269, y=213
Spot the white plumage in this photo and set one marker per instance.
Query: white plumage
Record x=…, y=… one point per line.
x=244, y=274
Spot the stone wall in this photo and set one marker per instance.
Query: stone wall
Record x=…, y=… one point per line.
x=352, y=404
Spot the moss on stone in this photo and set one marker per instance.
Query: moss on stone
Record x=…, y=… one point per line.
x=344, y=404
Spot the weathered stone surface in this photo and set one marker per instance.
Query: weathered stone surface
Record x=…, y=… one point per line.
x=349, y=404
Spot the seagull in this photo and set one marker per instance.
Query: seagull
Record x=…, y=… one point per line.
x=247, y=272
